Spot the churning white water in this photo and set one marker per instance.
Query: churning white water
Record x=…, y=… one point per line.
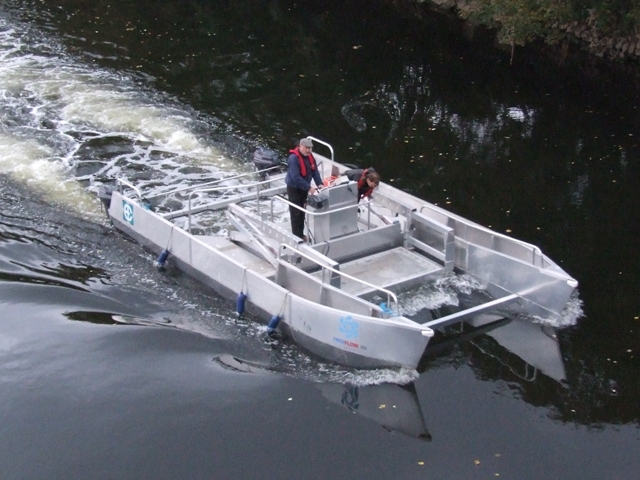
x=65, y=126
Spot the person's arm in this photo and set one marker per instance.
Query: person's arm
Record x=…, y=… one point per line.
x=354, y=174
x=294, y=171
x=318, y=179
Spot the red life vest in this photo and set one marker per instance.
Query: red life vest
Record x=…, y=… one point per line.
x=303, y=167
x=363, y=182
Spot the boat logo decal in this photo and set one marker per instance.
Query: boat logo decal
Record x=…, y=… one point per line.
x=349, y=327
x=127, y=212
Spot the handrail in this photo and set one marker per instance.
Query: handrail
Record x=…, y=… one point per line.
x=535, y=248
x=213, y=182
x=122, y=181
x=314, y=214
x=220, y=189
x=390, y=294
x=323, y=143
x=319, y=214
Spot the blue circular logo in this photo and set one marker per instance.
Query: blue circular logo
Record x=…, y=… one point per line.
x=127, y=212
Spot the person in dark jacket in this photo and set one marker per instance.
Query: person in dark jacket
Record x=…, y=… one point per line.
x=367, y=179
x=302, y=169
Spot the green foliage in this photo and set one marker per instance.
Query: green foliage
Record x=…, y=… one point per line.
x=520, y=21
x=617, y=16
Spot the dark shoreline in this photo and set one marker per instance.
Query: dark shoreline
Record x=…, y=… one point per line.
x=611, y=67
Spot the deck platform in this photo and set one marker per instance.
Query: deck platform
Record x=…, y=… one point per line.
x=393, y=269
x=239, y=254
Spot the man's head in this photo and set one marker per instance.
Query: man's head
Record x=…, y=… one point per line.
x=305, y=145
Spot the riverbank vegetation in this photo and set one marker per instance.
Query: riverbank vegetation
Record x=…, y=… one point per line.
x=606, y=28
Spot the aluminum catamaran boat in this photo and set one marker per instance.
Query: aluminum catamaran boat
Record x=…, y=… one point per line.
x=336, y=295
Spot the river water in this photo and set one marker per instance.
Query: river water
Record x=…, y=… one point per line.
x=110, y=369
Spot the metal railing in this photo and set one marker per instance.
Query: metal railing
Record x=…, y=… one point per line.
x=390, y=294
x=121, y=181
x=221, y=189
x=321, y=142
x=213, y=182
x=318, y=214
x=536, y=253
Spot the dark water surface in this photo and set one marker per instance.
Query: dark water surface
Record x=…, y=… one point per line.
x=109, y=369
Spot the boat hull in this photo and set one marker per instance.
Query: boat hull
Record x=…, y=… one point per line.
x=346, y=338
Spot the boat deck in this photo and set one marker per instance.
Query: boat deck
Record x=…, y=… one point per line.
x=392, y=269
x=239, y=254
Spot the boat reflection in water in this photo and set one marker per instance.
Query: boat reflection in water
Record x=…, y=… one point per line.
x=526, y=349
x=536, y=346
x=395, y=407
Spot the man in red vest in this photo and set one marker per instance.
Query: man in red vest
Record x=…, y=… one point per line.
x=302, y=169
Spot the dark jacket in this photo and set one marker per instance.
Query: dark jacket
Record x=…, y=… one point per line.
x=295, y=178
x=358, y=175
